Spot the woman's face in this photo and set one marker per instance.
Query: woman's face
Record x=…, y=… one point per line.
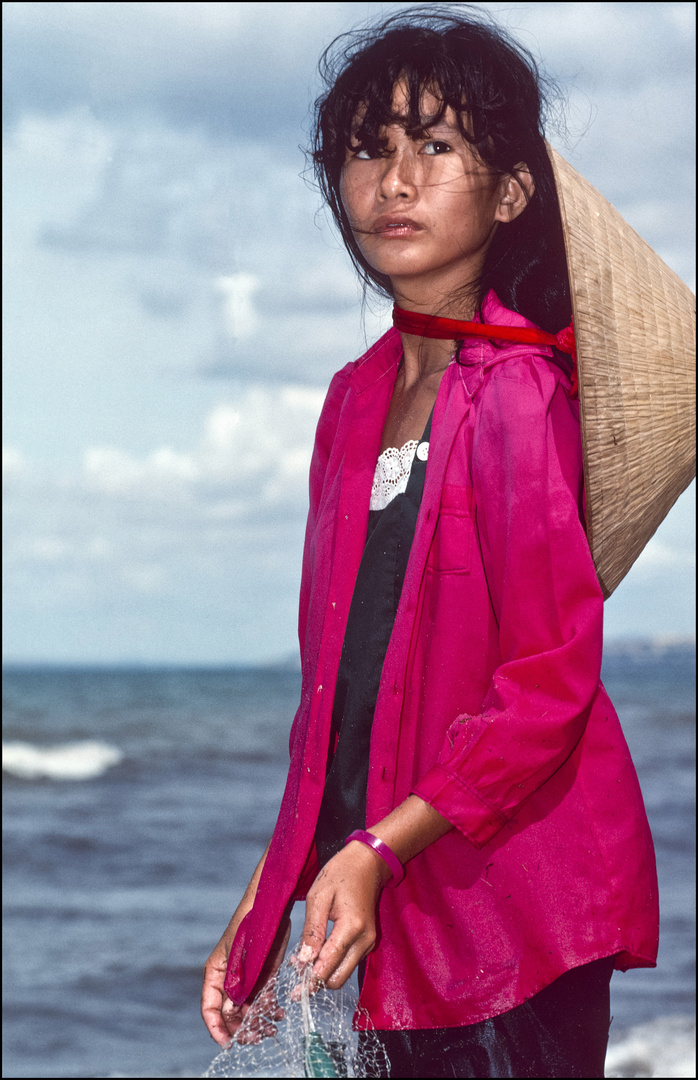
x=425, y=213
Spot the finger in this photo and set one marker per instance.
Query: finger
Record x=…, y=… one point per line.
x=245, y=1037
x=314, y=929
x=211, y=1002
x=232, y=1016
x=312, y=984
x=266, y=1008
x=255, y=1029
x=334, y=950
x=342, y=951
x=344, y=971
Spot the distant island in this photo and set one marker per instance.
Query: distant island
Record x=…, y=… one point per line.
x=650, y=648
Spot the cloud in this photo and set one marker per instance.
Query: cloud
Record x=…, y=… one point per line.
x=191, y=210
x=253, y=458
x=242, y=319
x=112, y=471
x=245, y=248
x=658, y=595
x=173, y=189
x=248, y=469
x=226, y=68
x=222, y=68
x=162, y=299
x=13, y=463
x=660, y=556
x=607, y=38
x=161, y=194
x=190, y=552
x=161, y=240
x=194, y=554
x=672, y=548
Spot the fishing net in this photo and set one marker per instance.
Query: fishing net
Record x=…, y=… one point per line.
x=297, y=1027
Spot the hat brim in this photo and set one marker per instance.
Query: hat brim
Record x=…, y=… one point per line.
x=634, y=322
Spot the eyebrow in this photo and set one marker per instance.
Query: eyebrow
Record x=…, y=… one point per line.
x=440, y=125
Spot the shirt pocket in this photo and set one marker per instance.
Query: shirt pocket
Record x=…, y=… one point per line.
x=453, y=536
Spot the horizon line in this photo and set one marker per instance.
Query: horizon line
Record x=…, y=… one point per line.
x=291, y=662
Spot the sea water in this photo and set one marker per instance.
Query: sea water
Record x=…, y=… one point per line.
x=137, y=803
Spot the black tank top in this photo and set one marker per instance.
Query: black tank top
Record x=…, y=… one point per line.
x=369, y=626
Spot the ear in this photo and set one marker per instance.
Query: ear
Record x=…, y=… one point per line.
x=515, y=191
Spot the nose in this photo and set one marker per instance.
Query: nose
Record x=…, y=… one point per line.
x=397, y=180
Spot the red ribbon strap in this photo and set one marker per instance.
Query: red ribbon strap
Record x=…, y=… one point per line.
x=433, y=326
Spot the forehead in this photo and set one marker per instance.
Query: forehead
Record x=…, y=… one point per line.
x=404, y=109
x=429, y=102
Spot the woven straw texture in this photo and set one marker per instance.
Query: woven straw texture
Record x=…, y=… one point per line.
x=634, y=323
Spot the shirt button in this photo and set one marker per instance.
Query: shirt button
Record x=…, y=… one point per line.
x=423, y=451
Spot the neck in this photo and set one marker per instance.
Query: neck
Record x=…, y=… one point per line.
x=425, y=357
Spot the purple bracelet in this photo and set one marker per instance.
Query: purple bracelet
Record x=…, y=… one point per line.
x=396, y=867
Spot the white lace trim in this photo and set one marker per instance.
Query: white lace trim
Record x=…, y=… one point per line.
x=392, y=473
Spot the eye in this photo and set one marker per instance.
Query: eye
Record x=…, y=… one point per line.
x=436, y=146
x=363, y=154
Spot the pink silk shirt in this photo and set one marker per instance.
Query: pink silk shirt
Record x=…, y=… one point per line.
x=490, y=706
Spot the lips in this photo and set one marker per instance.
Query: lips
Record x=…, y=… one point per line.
x=396, y=225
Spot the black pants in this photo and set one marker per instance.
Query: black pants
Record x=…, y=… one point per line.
x=561, y=1032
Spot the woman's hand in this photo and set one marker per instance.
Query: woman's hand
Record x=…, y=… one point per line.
x=223, y=1017
x=345, y=892
x=220, y=1015
x=214, y=999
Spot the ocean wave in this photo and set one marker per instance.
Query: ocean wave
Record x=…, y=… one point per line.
x=664, y=1047
x=67, y=761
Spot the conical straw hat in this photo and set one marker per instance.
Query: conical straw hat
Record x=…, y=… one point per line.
x=634, y=322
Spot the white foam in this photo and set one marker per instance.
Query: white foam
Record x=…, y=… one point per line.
x=67, y=761
x=665, y=1047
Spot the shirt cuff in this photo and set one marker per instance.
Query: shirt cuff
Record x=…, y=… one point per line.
x=459, y=804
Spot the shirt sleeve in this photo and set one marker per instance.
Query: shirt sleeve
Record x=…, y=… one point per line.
x=527, y=479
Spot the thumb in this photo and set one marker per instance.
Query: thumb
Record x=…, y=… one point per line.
x=314, y=929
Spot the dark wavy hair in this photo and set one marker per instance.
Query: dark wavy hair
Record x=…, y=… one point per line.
x=457, y=52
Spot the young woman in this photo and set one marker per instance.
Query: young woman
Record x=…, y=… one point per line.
x=450, y=614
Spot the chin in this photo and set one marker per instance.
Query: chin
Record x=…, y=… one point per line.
x=400, y=266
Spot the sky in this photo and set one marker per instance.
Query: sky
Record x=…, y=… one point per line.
x=176, y=302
